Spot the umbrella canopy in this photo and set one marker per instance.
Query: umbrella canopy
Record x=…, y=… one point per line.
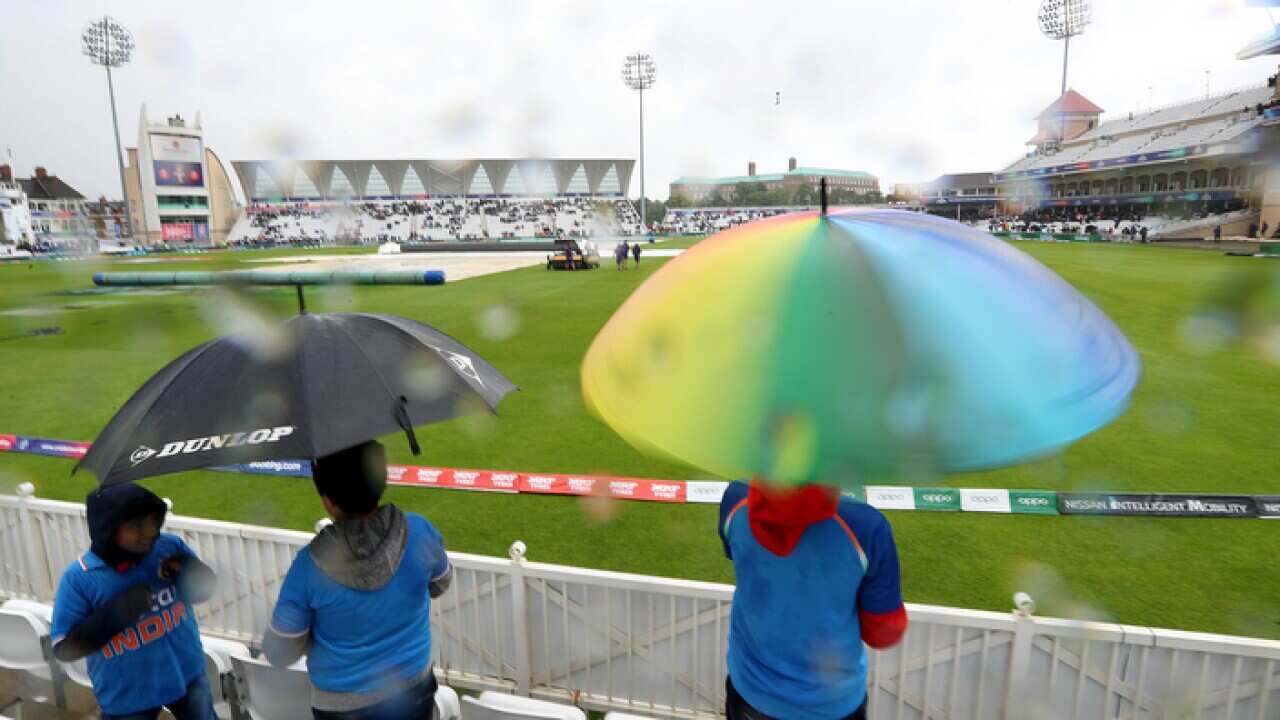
x=319, y=384
x=812, y=348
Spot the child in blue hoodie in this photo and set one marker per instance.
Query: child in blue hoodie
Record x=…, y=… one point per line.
x=125, y=605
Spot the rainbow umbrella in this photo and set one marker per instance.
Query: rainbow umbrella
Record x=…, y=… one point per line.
x=833, y=348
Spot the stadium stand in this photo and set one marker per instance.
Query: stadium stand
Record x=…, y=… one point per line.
x=1219, y=119
x=433, y=220
x=701, y=221
x=1170, y=173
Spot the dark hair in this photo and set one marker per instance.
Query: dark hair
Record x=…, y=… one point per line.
x=354, y=478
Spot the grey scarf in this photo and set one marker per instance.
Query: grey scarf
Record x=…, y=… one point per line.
x=363, y=553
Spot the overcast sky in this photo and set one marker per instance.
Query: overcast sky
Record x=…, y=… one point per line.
x=905, y=89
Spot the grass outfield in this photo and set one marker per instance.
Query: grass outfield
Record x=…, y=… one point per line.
x=1204, y=423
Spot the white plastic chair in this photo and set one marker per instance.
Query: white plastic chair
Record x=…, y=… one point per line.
x=274, y=693
x=221, y=673
x=447, y=705
x=39, y=609
x=500, y=706
x=78, y=671
x=22, y=638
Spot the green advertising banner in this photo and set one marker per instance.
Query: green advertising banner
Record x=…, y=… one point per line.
x=932, y=498
x=1035, y=502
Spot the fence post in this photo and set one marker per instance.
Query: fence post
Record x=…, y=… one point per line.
x=519, y=617
x=35, y=561
x=1019, y=656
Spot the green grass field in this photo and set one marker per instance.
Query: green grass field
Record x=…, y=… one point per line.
x=1201, y=421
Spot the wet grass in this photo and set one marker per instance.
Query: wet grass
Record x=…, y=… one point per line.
x=1202, y=421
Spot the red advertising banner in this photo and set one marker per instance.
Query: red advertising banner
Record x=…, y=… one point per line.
x=489, y=480
x=177, y=231
x=673, y=491
x=618, y=488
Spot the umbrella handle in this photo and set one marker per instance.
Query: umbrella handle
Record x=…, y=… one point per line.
x=402, y=417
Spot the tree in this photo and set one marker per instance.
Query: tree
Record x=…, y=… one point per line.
x=715, y=199
x=805, y=195
x=743, y=192
x=679, y=201
x=655, y=211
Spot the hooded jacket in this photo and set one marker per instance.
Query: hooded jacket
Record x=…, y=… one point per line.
x=363, y=553
x=107, y=508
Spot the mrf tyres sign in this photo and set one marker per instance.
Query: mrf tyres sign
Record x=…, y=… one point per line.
x=210, y=442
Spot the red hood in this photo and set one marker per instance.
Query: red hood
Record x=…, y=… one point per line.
x=780, y=516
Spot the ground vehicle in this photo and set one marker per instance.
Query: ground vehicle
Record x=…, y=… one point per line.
x=587, y=258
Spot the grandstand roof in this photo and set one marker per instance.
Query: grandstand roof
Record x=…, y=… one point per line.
x=955, y=181
x=330, y=179
x=773, y=177
x=1070, y=103
x=1177, y=131
x=1268, y=44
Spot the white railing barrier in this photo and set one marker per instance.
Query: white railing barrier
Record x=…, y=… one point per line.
x=617, y=641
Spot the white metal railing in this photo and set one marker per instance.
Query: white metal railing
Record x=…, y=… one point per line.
x=606, y=640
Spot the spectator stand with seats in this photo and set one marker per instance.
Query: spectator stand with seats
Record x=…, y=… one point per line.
x=1178, y=170
x=707, y=220
x=411, y=201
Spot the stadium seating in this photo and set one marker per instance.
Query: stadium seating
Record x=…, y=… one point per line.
x=22, y=642
x=1217, y=119
x=271, y=693
x=221, y=673
x=433, y=220
x=500, y=706
x=702, y=221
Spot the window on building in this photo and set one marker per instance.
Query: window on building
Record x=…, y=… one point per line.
x=515, y=184
x=480, y=184
x=302, y=185
x=412, y=184
x=610, y=182
x=578, y=182
x=340, y=186
x=377, y=185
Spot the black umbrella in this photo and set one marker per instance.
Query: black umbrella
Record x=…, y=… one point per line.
x=321, y=383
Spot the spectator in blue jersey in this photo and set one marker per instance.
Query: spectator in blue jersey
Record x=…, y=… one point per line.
x=125, y=605
x=356, y=600
x=817, y=575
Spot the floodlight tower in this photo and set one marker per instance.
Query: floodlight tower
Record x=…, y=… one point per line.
x=639, y=73
x=1061, y=20
x=109, y=44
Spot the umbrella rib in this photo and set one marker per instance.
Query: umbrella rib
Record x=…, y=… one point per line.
x=387, y=319
x=365, y=355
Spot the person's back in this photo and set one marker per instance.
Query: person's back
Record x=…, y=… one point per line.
x=357, y=599
x=816, y=577
x=369, y=591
